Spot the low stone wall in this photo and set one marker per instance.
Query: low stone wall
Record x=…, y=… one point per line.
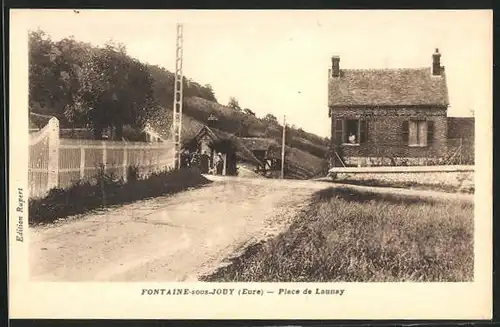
x=460, y=180
x=396, y=161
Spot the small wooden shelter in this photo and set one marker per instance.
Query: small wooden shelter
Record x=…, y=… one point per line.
x=213, y=141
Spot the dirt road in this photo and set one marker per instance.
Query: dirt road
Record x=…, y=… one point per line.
x=174, y=238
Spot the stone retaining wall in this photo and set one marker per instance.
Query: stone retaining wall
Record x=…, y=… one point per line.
x=457, y=179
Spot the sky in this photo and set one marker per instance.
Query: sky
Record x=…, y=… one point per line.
x=277, y=61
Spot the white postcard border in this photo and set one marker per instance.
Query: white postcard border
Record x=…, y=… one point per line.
x=29, y=299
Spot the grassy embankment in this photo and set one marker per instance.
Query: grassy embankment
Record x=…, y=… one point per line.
x=348, y=236
x=105, y=190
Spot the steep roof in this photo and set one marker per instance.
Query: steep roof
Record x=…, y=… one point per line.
x=215, y=134
x=387, y=87
x=258, y=143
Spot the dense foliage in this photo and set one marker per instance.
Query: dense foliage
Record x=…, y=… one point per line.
x=234, y=104
x=107, y=190
x=99, y=87
x=88, y=86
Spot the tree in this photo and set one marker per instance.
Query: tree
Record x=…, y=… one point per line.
x=114, y=90
x=208, y=93
x=289, y=132
x=233, y=103
x=41, y=76
x=54, y=69
x=163, y=85
x=271, y=118
x=46, y=79
x=248, y=112
x=243, y=126
x=84, y=85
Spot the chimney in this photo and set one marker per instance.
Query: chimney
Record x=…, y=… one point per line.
x=335, y=66
x=436, y=63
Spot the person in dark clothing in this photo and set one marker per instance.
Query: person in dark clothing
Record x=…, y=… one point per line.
x=195, y=160
x=219, y=164
x=184, y=158
x=204, y=162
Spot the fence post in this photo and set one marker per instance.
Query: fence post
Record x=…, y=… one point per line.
x=125, y=158
x=82, y=163
x=104, y=155
x=53, y=164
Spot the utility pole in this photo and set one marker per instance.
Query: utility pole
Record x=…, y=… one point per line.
x=177, y=110
x=283, y=149
x=460, y=153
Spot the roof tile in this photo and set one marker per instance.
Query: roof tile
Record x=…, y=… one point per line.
x=387, y=87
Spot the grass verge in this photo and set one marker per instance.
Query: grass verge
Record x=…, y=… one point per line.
x=105, y=191
x=351, y=236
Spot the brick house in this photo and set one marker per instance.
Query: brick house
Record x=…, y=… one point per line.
x=388, y=116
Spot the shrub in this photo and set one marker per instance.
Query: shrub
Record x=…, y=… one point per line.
x=132, y=173
x=107, y=190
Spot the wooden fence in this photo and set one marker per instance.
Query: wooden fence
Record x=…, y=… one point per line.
x=56, y=162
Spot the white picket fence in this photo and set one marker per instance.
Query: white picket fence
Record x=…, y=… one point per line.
x=56, y=162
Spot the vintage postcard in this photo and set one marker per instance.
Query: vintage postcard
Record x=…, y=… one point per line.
x=250, y=164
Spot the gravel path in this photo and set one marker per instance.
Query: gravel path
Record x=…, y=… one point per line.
x=174, y=238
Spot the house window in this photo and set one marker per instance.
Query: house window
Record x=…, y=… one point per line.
x=418, y=132
x=351, y=131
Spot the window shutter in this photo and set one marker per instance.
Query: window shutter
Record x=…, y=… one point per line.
x=430, y=132
x=339, y=131
x=405, y=132
x=363, y=131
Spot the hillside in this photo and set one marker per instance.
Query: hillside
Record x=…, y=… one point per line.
x=200, y=102
x=301, y=163
x=57, y=84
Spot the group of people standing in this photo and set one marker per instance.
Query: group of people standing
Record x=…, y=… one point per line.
x=202, y=161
